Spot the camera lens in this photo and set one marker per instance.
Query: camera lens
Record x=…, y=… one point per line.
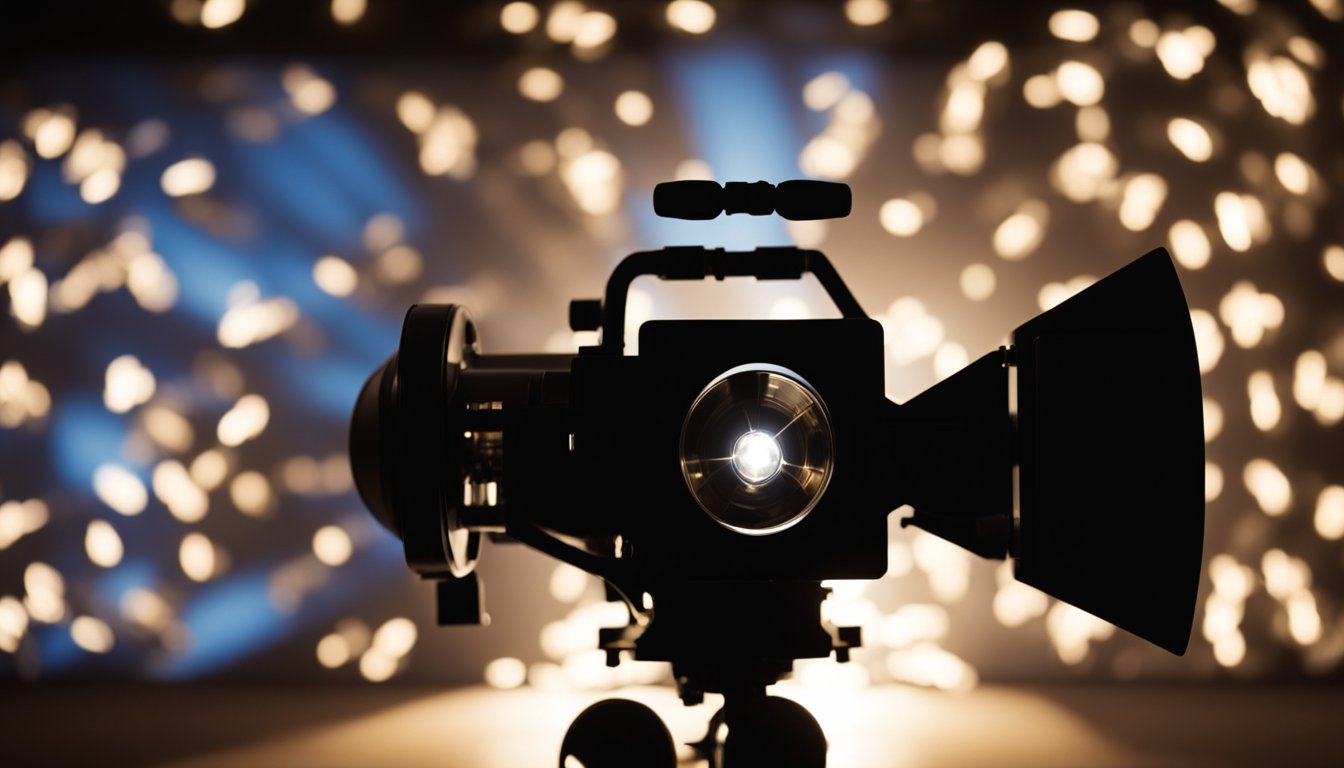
x=756, y=457
x=756, y=449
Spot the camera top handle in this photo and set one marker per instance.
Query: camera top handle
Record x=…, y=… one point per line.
x=698, y=263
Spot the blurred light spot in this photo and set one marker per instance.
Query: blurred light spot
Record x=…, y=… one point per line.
x=448, y=146
x=100, y=186
x=332, y=545
x=376, y=666
x=398, y=265
x=1282, y=88
x=1230, y=649
x=333, y=651
x=1041, y=91
x=13, y=169
x=348, y=12
x=1080, y=84
x=824, y=91
x=249, y=323
x=964, y=108
x=634, y=108
x=197, y=557
x=947, y=566
x=244, y=421
x=145, y=608
x=1189, y=245
x=128, y=384
x=987, y=61
x=102, y=544
x=928, y=665
x=1309, y=377
x=1092, y=124
x=1304, y=621
x=693, y=16
x=914, y=623
x=807, y=234
x=250, y=493
x=1330, y=9
x=1265, y=408
x=1208, y=339
x=866, y=13
x=1269, y=486
x=1213, y=420
x=21, y=398
x=1307, y=51
x=44, y=589
x=1142, y=199
x=1084, y=171
x=1018, y=236
x=593, y=29
x=537, y=158
x=1182, y=53
x=1072, y=630
x=221, y=13
x=301, y=474
x=209, y=469
x=909, y=331
x=20, y=518
x=151, y=283
x=52, y=131
x=1250, y=313
x=173, y=486
x=93, y=635
x=541, y=84
x=1240, y=7
x=16, y=257
x=28, y=298
x=950, y=358
x=309, y=93
x=1284, y=574
x=1213, y=481
x=568, y=583
x=594, y=179
x=572, y=142
x=1191, y=138
x=563, y=22
x=415, y=111
x=395, y=637
x=1294, y=173
x=1333, y=259
x=335, y=276
x=962, y=154
x=696, y=169
x=120, y=489
x=1075, y=25
x=977, y=282
x=1329, y=517
x=168, y=428
x=1016, y=603
x=506, y=672
x=13, y=623
x=901, y=217
x=1052, y=295
x=1234, y=219
x=518, y=18
x=188, y=177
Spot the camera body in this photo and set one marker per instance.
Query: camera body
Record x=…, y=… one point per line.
x=630, y=411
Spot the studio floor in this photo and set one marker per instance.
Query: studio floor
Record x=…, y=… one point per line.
x=217, y=725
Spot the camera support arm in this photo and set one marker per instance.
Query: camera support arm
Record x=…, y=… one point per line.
x=698, y=263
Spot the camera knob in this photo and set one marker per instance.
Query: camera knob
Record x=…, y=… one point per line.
x=585, y=314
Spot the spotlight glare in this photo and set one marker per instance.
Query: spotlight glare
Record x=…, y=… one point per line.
x=756, y=457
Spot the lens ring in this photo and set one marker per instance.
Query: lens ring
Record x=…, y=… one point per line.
x=757, y=449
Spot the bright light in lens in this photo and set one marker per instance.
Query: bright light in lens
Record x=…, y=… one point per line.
x=756, y=457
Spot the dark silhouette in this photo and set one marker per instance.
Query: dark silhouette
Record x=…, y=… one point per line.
x=779, y=432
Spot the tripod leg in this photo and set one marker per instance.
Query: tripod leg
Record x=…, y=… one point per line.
x=618, y=733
